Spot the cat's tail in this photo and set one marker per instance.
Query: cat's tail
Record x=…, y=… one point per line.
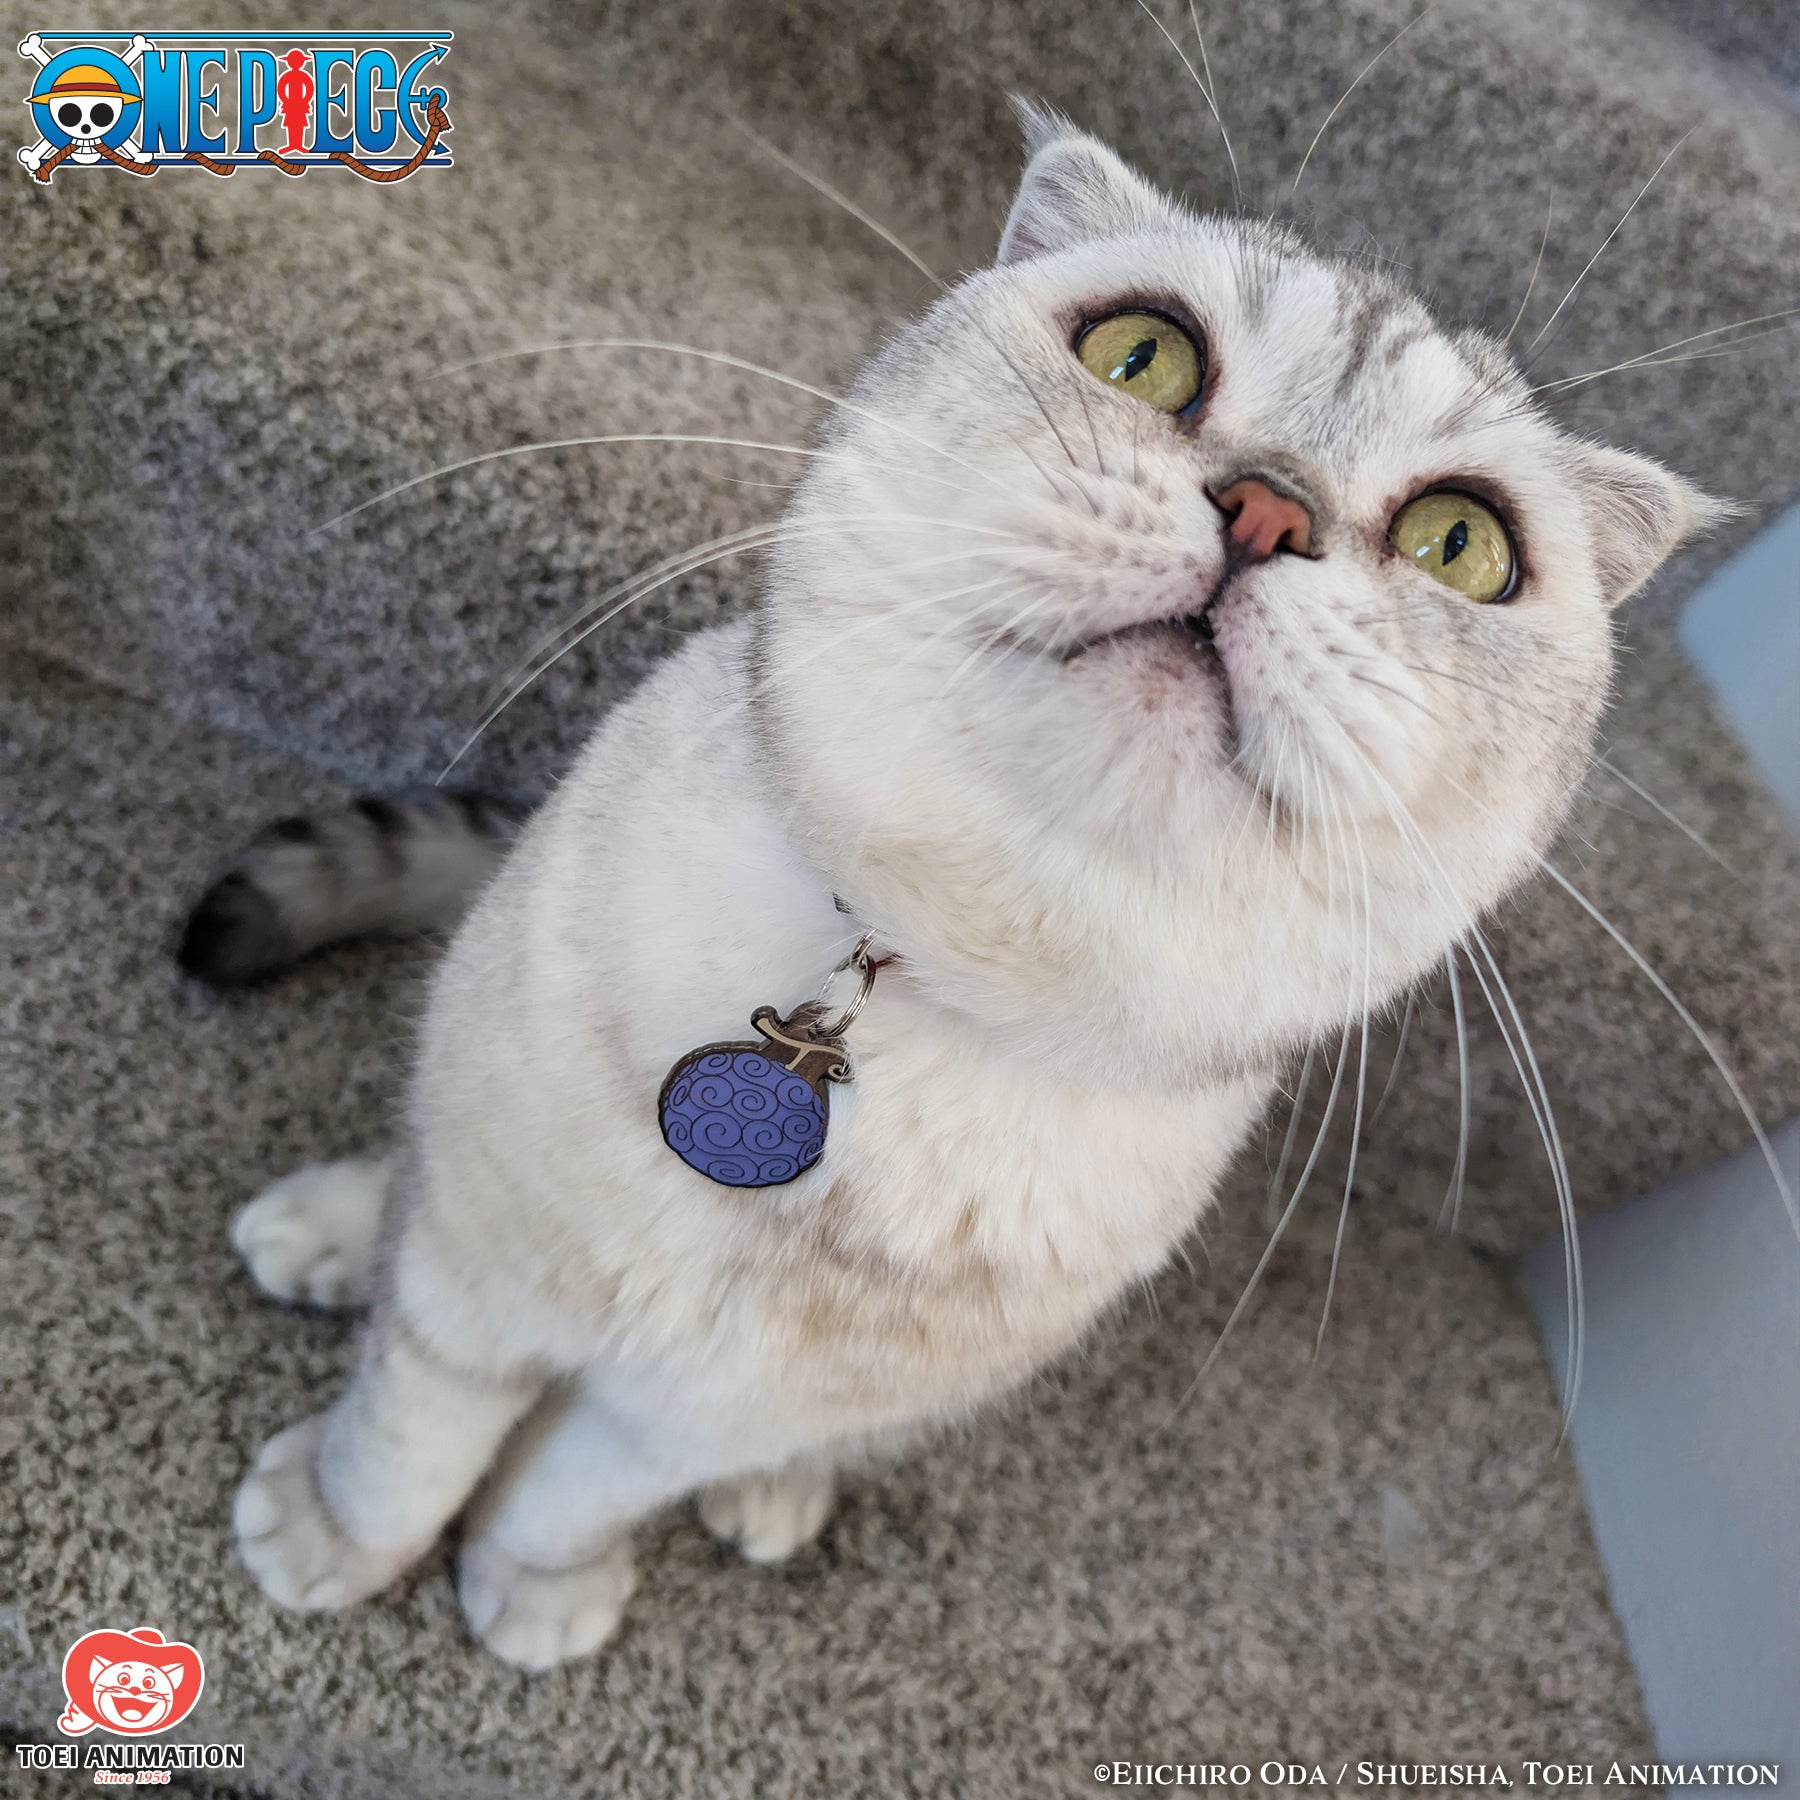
x=411, y=862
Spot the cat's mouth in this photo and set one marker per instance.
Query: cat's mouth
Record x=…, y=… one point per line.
x=1184, y=646
x=1191, y=634
x=1192, y=630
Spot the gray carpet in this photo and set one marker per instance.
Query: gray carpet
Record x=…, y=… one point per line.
x=1382, y=1556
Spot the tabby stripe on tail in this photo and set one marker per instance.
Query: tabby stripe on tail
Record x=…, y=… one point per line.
x=410, y=862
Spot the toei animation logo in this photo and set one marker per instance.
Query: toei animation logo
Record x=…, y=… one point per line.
x=372, y=103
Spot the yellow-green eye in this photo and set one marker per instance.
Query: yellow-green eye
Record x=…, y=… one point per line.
x=1458, y=541
x=1150, y=358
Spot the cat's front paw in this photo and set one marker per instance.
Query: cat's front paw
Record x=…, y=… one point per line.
x=769, y=1517
x=287, y=1539
x=537, y=1618
x=309, y=1238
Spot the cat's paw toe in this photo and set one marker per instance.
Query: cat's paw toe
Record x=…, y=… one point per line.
x=309, y=1239
x=769, y=1517
x=537, y=1618
x=297, y=1553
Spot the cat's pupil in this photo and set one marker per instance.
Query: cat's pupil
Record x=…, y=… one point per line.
x=1137, y=360
x=1456, y=540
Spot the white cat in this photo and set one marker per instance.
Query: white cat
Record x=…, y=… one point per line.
x=1181, y=640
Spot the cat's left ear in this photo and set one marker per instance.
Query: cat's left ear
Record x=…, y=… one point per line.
x=1074, y=191
x=1642, y=513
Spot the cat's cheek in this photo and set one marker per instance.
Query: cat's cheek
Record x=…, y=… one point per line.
x=1263, y=694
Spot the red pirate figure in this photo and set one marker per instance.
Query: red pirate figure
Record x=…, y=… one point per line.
x=294, y=95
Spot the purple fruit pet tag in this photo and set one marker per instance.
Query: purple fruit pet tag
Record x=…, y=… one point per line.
x=754, y=1115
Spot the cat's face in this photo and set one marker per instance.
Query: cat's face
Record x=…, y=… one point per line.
x=1189, y=627
x=134, y=1696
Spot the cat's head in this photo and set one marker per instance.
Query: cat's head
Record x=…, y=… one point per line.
x=1186, y=635
x=134, y=1695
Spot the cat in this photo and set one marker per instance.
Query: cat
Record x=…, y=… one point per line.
x=1179, y=640
x=130, y=1696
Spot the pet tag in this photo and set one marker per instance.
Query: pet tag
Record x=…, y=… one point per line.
x=754, y=1115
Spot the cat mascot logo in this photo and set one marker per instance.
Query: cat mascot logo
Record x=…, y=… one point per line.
x=222, y=101
x=129, y=1682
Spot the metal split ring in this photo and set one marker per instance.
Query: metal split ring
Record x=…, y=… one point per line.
x=858, y=961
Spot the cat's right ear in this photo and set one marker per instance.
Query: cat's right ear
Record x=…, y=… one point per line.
x=1641, y=514
x=1075, y=191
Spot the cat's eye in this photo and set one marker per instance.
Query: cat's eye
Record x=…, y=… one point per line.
x=1457, y=540
x=1144, y=355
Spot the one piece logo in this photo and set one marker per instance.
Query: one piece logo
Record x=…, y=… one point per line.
x=369, y=102
x=129, y=1682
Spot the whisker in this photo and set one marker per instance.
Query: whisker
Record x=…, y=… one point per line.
x=1537, y=1092
x=1600, y=761
x=1345, y=95
x=528, y=669
x=1275, y=784
x=1262, y=1264
x=1406, y=1019
x=1362, y=1077
x=1453, y=1195
x=1088, y=414
x=820, y=185
x=1050, y=481
x=1470, y=683
x=1279, y=1179
x=1037, y=400
x=579, y=443
x=1686, y=830
x=1579, y=279
x=1212, y=91
x=883, y=617
x=1008, y=628
x=533, y=667
x=929, y=712
x=1530, y=286
x=1653, y=361
x=1648, y=971
x=778, y=487
x=725, y=360
x=1206, y=93
x=755, y=537
x=1644, y=357
x=1537, y=1099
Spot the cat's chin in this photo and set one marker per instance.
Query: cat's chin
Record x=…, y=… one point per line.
x=1163, y=667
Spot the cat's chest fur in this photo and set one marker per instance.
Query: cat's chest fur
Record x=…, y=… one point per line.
x=971, y=1211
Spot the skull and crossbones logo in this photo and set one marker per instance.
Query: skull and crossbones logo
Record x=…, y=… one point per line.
x=83, y=101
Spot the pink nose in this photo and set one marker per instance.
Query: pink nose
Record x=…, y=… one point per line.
x=1263, y=521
